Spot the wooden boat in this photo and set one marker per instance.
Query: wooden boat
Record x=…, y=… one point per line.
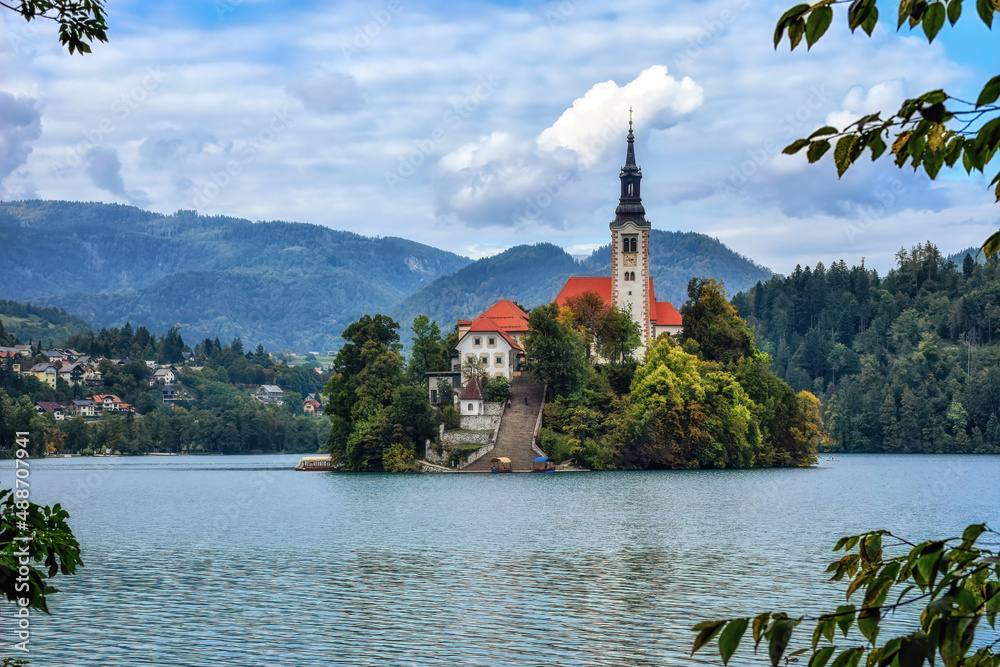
x=500, y=464
x=543, y=464
x=318, y=463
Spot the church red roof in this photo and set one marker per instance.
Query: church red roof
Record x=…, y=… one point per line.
x=666, y=315
x=663, y=313
x=577, y=286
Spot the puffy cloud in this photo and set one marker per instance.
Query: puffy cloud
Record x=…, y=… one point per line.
x=329, y=93
x=585, y=128
x=104, y=170
x=859, y=101
x=20, y=123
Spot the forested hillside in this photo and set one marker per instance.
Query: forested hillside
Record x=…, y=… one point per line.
x=904, y=363
x=50, y=326
x=533, y=275
x=285, y=285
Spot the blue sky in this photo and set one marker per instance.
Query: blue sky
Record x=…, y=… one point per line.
x=477, y=126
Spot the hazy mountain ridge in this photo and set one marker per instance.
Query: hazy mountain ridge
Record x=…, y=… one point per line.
x=281, y=284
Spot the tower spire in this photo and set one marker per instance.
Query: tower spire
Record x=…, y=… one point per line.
x=630, y=206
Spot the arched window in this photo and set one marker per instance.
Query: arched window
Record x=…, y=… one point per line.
x=470, y=407
x=632, y=277
x=632, y=245
x=630, y=188
x=624, y=245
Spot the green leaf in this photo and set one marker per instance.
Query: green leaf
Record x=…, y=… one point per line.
x=821, y=657
x=905, y=7
x=868, y=620
x=985, y=10
x=934, y=113
x=876, y=145
x=954, y=11
x=849, y=658
x=858, y=12
x=787, y=20
x=843, y=153
x=817, y=149
x=730, y=638
x=845, y=613
x=821, y=132
x=990, y=92
x=972, y=533
x=868, y=25
x=707, y=630
x=759, y=624
x=913, y=650
x=933, y=20
x=779, y=636
x=819, y=20
x=795, y=146
x=795, y=32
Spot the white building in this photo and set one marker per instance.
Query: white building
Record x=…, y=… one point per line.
x=496, y=338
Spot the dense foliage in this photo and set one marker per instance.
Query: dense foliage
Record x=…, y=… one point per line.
x=955, y=580
x=680, y=408
x=28, y=323
x=533, y=275
x=33, y=535
x=283, y=285
x=905, y=363
x=378, y=421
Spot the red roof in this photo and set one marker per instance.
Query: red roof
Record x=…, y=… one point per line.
x=577, y=286
x=663, y=313
x=313, y=402
x=472, y=392
x=508, y=315
x=666, y=315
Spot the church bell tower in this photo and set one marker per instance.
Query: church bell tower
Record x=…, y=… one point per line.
x=630, y=281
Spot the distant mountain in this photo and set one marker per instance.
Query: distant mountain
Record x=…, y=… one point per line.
x=959, y=256
x=51, y=326
x=285, y=285
x=533, y=275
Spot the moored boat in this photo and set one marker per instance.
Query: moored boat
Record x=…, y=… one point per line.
x=543, y=464
x=318, y=463
x=500, y=464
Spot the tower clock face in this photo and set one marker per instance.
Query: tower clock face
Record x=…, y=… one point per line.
x=629, y=259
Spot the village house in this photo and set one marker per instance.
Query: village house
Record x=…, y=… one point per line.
x=311, y=406
x=630, y=285
x=472, y=398
x=83, y=408
x=269, y=393
x=46, y=373
x=111, y=403
x=167, y=375
x=51, y=408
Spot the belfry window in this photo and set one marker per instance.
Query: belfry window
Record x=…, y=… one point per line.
x=632, y=244
x=624, y=245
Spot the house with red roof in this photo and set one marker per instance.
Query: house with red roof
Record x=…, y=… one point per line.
x=496, y=337
x=630, y=284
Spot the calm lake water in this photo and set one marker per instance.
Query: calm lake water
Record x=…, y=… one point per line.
x=242, y=561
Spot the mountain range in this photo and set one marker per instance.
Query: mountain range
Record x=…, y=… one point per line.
x=291, y=285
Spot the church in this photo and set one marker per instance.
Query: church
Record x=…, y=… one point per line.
x=630, y=283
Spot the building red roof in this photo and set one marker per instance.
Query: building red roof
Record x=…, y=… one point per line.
x=485, y=324
x=473, y=391
x=508, y=315
x=313, y=402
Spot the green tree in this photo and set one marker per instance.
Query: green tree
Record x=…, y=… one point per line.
x=556, y=353
x=427, y=353
x=928, y=132
x=585, y=312
x=498, y=389
x=445, y=392
x=954, y=580
x=709, y=319
x=618, y=335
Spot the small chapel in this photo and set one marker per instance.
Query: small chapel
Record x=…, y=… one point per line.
x=630, y=283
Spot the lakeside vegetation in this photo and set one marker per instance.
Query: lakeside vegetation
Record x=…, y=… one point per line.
x=908, y=362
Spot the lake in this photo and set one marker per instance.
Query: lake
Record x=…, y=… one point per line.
x=240, y=560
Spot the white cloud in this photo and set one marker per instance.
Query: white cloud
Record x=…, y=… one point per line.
x=20, y=124
x=586, y=128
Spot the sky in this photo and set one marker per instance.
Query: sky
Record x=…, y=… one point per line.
x=476, y=126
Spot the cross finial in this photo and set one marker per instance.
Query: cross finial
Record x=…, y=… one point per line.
x=630, y=117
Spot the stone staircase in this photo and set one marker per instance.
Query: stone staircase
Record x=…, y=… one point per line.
x=517, y=427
